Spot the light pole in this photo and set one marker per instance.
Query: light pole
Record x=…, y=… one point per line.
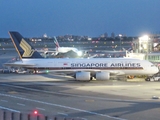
x=120, y=41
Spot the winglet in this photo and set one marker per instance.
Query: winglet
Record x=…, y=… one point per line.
x=23, y=47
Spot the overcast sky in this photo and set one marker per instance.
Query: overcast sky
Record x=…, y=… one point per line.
x=79, y=17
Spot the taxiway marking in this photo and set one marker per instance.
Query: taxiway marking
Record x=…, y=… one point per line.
x=9, y=109
x=62, y=113
x=4, y=100
x=64, y=94
x=21, y=104
x=62, y=106
x=40, y=108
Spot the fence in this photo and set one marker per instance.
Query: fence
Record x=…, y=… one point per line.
x=8, y=115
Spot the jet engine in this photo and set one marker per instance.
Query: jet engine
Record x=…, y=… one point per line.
x=102, y=76
x=84, y=76
x=46, y=52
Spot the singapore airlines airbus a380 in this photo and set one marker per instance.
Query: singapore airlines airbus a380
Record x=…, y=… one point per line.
x=81, y=69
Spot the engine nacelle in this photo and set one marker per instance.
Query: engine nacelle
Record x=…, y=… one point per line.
x=84, y=76
x=102, y=76
x=46, y=52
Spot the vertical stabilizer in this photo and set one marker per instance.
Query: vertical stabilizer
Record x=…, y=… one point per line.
x=23, y=47
x=56, y=43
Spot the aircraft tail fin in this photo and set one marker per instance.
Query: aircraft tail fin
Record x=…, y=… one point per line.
x=23, y=47
x=56, y=43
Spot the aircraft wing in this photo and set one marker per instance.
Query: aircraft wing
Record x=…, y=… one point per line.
x=118, y=72
x=18, y=64
x=72, y=72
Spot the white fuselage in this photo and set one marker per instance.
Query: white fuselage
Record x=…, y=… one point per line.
x=112, y=65
x=66, y=49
